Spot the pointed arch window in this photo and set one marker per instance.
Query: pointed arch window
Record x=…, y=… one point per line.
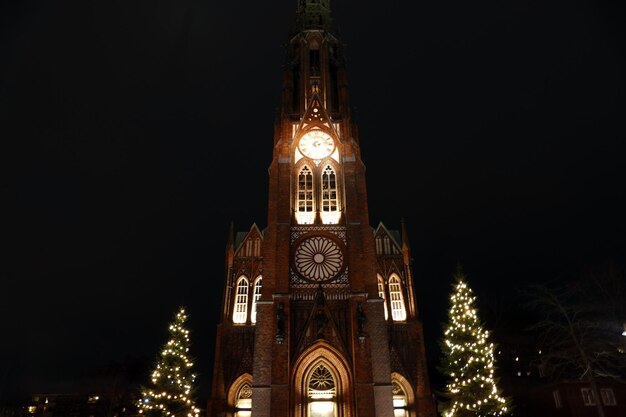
x=257, y=247
x=255, y=297
x=241, y=301
x=381, y=294
x=322, y=393
x=243, y=401
x=330, y=201
x=398, y=310
x=305, y=213
x=387, y=245
x=400, y=401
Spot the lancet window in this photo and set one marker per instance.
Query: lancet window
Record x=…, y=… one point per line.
x=251, y=247
x=398, y=310
x=256, y=297
x=243, y=401
x=305, y=213
x=387, y=245
x=241, y=301
x=322, y=393
x=381, y=294
x=400, y=402
x=330, y=201
x=384, y=246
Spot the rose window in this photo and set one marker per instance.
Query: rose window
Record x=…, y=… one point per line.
x=318, y=259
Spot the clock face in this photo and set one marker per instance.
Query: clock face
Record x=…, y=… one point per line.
x=318, y=259
x=316, y=144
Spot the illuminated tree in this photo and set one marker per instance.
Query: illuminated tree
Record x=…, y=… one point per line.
x=468, y=360
x=171, y=390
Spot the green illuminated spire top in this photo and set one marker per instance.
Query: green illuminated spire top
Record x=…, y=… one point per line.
x=313, y=14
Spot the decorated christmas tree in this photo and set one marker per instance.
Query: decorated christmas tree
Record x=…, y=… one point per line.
x=468, y=360
x=171, y=390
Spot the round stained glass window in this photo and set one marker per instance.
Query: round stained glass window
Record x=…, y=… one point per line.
x=318, y=259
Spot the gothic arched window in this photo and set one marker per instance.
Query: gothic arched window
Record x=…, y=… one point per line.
x=305, y=213
x=256, y=296
x=330, y=200
x=400, y=401
x=398, y=311
x=241, y=301
x=243, y=401
x=381, y=294
x=387, y=245
x=322, y=393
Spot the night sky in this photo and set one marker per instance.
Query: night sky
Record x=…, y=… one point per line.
x=133, y=132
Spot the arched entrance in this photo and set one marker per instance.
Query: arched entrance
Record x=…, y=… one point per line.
x=321, y=384
x=240, y=396
x=403, y=397
x=321, y=392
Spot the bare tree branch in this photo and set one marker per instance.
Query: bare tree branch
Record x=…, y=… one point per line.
x=580, y=328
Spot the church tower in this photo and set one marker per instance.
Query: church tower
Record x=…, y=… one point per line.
x=319, y=317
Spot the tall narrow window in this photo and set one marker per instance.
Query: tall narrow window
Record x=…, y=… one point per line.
x=243, y=401
x=330, y=206
x=334, y=88
x=314, y=61
x=387, y=245
x=399, y=400
x=241, y=301
x=608, y=397
x=256, y=297
x=381, y=294
x=588, y=397
x=304, y=212
x=322, y=393
x=398, y=312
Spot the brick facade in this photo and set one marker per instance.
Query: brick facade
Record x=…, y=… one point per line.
x=320, y=338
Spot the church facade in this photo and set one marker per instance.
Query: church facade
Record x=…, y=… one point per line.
x=319, y=316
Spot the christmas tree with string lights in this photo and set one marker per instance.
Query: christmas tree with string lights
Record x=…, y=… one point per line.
x=468, y=360
x=170, y=393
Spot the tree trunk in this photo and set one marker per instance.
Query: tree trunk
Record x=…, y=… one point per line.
x=596, y=395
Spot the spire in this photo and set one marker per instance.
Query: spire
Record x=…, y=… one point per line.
x=313, y=14
x=231, y=236
x=404, y=234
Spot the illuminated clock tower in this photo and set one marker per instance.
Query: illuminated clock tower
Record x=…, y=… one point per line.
x=319, y=317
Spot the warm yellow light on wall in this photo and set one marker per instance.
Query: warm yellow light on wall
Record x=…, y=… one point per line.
x=321, y=409
x=331, y=217
x=304, y=217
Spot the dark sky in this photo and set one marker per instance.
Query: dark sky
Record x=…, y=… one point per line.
x=133, y=132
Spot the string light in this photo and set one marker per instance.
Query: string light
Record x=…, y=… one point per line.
x=470, y=360
x=172, y=382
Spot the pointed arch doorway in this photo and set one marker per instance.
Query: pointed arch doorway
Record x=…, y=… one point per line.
x=321, y=392
x=322, y=383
